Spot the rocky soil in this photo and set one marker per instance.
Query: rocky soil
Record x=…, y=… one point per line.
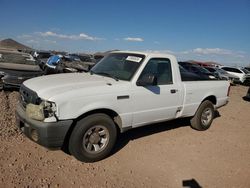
x=162, y=155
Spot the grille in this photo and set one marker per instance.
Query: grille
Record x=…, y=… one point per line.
x=28, y=96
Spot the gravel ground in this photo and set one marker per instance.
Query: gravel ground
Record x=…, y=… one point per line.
x=162, y=155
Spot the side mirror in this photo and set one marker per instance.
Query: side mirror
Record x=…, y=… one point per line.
x=146, y=80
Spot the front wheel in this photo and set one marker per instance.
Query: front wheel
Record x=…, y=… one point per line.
x=93, y=138
x=204, y=116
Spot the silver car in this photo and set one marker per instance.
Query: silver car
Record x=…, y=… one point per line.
x=223, y=75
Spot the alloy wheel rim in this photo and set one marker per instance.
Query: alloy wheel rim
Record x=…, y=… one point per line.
x=206, y=116
x=95, y=139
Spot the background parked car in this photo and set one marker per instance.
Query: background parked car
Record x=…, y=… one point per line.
x=188, y=76
x=247, y=68
x=42, y=57
x=16, y=67
x=243, y=74
x=82, y=57
x=50, y=65
x=203, y=73
x=68, y=63
x=223, y=75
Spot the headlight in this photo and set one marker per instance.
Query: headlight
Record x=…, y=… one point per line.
x=39, y=112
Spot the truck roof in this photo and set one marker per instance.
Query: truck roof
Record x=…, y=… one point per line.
x=148, y=54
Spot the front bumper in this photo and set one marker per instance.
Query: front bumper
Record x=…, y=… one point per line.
x=49, y=135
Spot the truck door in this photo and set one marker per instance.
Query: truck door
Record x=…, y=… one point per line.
x=160, y=101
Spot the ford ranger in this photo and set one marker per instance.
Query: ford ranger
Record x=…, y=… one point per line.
x=86, y=111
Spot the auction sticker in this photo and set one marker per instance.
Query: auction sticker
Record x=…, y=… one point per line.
x=134, y=59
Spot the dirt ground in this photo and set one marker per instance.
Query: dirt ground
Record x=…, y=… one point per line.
x=161, y=155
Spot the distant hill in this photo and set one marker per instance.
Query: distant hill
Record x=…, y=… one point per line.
x=12, y=44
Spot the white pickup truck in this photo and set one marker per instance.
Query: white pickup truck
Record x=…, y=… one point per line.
x=86, y=111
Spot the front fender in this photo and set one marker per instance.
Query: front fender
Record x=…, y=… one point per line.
x=74, y=108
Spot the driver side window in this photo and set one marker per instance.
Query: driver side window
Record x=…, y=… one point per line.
x=160, y=68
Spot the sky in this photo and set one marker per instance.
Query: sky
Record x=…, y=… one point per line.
x=212, y=30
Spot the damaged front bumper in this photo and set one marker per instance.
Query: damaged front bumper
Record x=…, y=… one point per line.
x=48, y=134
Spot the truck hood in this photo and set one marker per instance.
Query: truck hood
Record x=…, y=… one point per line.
x=52, y=87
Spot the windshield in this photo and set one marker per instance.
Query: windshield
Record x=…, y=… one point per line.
x=121, y=66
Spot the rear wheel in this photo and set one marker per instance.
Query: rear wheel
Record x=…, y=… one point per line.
x=204, y=116
x=93, y=138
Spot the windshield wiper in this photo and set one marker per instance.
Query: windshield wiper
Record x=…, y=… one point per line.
x=105, y=74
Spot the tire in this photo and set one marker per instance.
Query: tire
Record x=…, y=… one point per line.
x=93, y=138
x=203, y=117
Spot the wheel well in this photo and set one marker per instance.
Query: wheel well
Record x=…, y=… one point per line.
x=211, y=98
x=112, y=114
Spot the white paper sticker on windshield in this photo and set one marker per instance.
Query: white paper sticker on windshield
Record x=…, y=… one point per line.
x=134, y=59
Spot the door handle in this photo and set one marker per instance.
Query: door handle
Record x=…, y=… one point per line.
x=173, y=90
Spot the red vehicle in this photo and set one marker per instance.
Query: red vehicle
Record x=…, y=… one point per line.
x=202, y=64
